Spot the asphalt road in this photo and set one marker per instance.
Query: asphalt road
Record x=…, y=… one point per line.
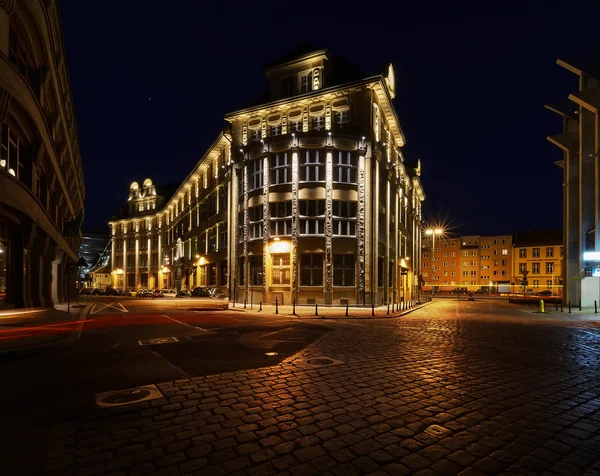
x=115, y=351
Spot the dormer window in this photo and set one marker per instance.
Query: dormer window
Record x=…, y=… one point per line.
x=306, y=83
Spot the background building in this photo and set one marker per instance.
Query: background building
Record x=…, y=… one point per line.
x=93, y=245
x=541, y=254
x=41, y=177
x=474, y=262
x=581, y=187
x=306, y=197
x=494, y=263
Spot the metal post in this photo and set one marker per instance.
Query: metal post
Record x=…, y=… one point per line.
x=372, y=309
x=294, y=306
x=388, y=310
x=276, y=306
x=580, y=304
x=244, y=304
x=569, y=307
x=561, y=306
x=316, y=309
x=346, y=309
x=595, y=307
x=260, y=306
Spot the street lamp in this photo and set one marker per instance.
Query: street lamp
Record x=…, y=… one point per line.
x=433, y=232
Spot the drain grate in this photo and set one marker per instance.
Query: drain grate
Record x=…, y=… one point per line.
x=322, y=361
x=117, y=398
x=159, y=340
x=437, y=431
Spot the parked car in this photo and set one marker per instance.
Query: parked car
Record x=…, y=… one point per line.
x=85, y=291
x=459, y=291
x=110, y=291
x=210, y=298
x=144, y=292
x=482, y=291
x=168, y=292
x=129, y=292
x=96, y=292
x=183, y=293
x=157, y=293
x=546, y=292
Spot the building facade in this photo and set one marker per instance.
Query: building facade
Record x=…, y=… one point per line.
x=581, y=181
x=41, y=177
x=540, y=253
x=473, y=262
x=495, y=263
x=305, y=197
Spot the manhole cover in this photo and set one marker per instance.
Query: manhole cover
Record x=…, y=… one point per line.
x=322, y=361
x=118, y=398
x=437, y=431
x=159, y=340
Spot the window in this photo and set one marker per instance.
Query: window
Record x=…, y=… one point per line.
x=536, y=268
x=316, y=123
x=549, y=268
x=131, y=261
x=473, y=273
x=154, y=259
x=212, y=239
x=10, y=155
x=143, y=243
x=256, y=270
x=223, y=198
x=536, y=252
x=344, y=167
x=522, y=267
x=256, y=174
x=312, y=208
x=465, y=263
x=504, y=262
x=144, y=260
x=306, y=82
x=280, y=169
x=343, y=270
x=465, y=273
x=536, y=283
x=453, y=254
x=288, y=86
x=505, y=252
x=311, y=269
x=212, y=274
x=549, y=283
x=504, y=273
x=241, y=276
x=550, y=252
x=223, y=273
x=119, y=245
x=275, y=130
x=474, y=253
x=496, y=262
x=131, y=244
x=280, y=269
x=296, y=126
x=281, y=218
x=222, y=236
x=495, y=272
x=495, y=242
x=342, y=120
x=312, y=169
x=465, y=253
x=255, y=135
x=255, y=217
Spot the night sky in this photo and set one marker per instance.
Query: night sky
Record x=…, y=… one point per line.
x=152, y=80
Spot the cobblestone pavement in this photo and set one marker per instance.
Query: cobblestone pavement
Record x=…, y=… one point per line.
x=514, y=393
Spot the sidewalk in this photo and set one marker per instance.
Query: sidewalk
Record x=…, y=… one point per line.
x=31, y=328
x=329, y=312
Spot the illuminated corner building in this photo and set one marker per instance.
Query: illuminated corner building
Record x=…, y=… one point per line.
x=581, y=180
x=41, y=177
x=305, y=196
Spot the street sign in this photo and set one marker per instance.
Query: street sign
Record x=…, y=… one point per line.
x=524, y=273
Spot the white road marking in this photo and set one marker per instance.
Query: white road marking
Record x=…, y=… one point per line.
x=184, y=323
x=109, y=305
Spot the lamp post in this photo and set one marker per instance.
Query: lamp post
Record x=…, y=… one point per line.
x=433, y=232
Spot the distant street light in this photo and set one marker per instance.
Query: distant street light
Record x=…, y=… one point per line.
x=433, y=232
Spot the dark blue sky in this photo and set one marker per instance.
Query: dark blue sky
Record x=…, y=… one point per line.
x=471, y=82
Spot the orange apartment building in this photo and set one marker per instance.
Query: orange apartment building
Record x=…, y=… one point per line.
x=473, y=262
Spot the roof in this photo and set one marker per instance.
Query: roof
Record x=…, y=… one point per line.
x=538, y=237
x=298, y=51
x=163, y=194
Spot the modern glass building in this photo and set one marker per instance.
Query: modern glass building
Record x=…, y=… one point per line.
x=306, y=196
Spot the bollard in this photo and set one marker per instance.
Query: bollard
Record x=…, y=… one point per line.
x=294, y=307
x=388, y=310
x=346, y=309
x=373, y=309
x=316, y=309
x=580, y=304
x=260, y=308
x=569, y=307
x=244, y=304
x=276, y=306
x=561, y=306
x=595, y=307
x=541, y=306
x=555, y=305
